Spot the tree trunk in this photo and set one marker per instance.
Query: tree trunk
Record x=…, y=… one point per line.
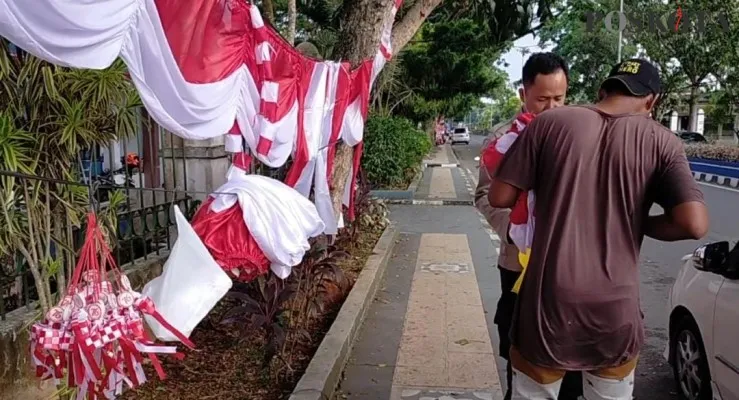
x=692, y=100
x=269, y=11
x=292, y=17
x=404, y=30
x=359, y=38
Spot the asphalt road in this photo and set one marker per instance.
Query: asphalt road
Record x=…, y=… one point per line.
x=660, y=263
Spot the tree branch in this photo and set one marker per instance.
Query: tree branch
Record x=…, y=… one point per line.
x=537, y=28
x=404, y=30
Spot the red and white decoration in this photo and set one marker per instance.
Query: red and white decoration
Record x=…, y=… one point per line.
x=215, y=68
x=254, y=223
x=522, y=213
x=96, y=332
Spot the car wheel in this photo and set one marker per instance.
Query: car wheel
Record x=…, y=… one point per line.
x=690, y=365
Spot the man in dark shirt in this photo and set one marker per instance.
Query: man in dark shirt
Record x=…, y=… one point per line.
x=595, y=171
x=544, y=86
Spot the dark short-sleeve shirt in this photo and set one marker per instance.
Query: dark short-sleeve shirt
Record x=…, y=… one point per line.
x=595, y=177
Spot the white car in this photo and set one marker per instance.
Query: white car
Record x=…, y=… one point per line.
x=703, y=346
x=461, y=135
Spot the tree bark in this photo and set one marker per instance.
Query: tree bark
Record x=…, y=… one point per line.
x=269, y=11
x=404, y=30
x=693, y=117
x=292, y=17
x=359, y=38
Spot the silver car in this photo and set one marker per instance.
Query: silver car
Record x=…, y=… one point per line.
x=461, y=135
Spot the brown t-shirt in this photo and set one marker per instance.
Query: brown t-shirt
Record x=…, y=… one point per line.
x=595, y=177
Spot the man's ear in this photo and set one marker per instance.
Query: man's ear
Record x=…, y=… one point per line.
x=652, y=100
x=522, y=94
x=601, y=94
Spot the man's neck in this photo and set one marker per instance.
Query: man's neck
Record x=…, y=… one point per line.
x=620, y=105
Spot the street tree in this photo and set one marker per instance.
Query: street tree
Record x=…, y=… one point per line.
x=590, y=55
x=447, y=69
x=361, y=23
x=694, y=53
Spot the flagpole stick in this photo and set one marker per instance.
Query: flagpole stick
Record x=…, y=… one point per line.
x=620, y=31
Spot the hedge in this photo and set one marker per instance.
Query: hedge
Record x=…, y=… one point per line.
x=713, y=152
x=393, y=149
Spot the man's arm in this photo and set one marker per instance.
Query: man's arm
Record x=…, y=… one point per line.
x=498, y=218
x=683, y=222
x=502, y=194
x=686, y=216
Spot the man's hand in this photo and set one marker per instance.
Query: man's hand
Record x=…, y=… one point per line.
x=685, y=221
x=502, y=195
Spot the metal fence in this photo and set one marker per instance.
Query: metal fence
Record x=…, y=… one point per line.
x=145, y=218
x=144, y=195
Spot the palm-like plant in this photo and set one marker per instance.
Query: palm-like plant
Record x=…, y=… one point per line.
x=391, y=90
x=48, y=115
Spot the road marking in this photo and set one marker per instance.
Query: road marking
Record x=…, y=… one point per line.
x=718, y=186
x=719, y=166
x=442, y=184
x=472, y=176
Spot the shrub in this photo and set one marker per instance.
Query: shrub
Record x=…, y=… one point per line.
x=713, y=152
x=392, y=148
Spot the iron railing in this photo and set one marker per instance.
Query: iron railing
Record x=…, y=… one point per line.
x=145, y=218
x=144, y=229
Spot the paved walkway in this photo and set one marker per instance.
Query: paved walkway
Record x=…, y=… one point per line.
x=443, y=179
x=429, y=333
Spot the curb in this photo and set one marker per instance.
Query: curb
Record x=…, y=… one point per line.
x=325, y=369
x=416, y=181
x=423, y=202
x=440, y=165
x=717, y=179
x=400, y=194
x=388, y=195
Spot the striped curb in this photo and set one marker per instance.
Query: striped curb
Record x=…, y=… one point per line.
x=440, y=165
x=422, y=202
x=717, y=179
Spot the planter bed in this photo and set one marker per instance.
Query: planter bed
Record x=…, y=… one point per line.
x=228, y=363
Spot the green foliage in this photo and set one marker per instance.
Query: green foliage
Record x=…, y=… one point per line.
x=590, y=55
x=393, y=148
x=722, y=107
x=507, y=20
x=444, y=72
x=48, y=114
x=504, y=107
x=687, y=58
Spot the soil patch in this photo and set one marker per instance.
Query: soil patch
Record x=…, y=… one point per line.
x=228, y=365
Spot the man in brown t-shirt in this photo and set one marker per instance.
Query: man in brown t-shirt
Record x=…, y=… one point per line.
x=595, y=171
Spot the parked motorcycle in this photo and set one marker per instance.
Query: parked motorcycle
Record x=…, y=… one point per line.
x=120, y=178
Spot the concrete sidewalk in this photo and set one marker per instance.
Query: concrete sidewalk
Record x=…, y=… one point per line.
x=444, y=179
x=429, y=333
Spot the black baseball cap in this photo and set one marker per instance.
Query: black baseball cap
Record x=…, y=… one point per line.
x=639, y=76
